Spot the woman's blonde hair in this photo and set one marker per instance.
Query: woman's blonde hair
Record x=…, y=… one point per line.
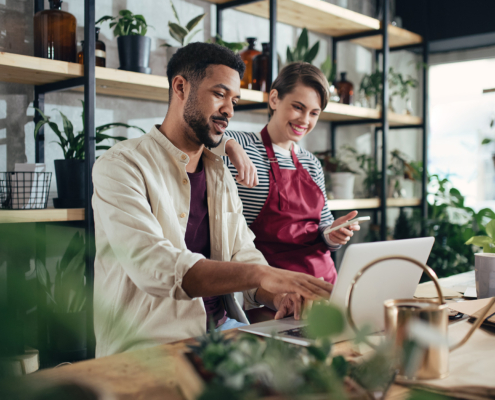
x=301, y=73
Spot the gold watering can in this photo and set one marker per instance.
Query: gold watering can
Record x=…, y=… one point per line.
x=399, y=313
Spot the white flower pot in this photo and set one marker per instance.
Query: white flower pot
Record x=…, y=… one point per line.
x=484, y=270
x=342, y=185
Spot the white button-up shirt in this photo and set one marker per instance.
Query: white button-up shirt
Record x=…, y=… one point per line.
x=141, y=205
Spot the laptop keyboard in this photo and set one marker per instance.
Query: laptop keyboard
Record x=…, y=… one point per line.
x=295, y=332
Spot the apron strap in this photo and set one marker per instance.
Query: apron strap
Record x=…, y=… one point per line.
x=275, y=168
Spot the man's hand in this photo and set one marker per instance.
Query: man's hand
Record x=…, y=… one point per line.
x=280, y=281
x=343, y=235
x=247, y=173
x=288, y=304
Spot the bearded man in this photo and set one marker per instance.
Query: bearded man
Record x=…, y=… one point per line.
x=172, y=245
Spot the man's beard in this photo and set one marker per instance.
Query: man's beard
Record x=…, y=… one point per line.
x=198, y=123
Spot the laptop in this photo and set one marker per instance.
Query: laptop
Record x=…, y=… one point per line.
x=394, y=279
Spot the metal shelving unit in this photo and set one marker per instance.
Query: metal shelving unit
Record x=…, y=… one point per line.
x=366, y=32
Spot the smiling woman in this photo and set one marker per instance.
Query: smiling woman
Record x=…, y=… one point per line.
x=288, y=210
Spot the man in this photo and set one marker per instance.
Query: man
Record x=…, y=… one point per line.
x=172, y=244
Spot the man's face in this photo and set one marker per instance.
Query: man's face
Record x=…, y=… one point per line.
x=210, y=104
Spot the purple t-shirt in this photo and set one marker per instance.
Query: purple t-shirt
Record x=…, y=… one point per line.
x=198, y=236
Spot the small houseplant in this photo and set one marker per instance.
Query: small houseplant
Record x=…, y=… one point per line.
x=401, y=170
x=183, y=34
x=371, y=86
x=340, y=174
x=372, y=175
x=302, y=51
x=70, y=171
x=134, y=47
x=234, y=46
x=66, y=320
x=399, y=86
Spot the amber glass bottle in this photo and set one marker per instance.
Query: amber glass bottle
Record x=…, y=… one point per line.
x=100, y=51
x=261, y=68
x=247, y=56
x=55, y=33
x=345, y=89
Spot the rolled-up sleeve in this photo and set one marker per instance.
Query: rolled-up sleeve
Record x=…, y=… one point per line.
x=127, y=230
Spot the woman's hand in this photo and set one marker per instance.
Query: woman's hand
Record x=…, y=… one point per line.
x=343, y=235
x=247, y=175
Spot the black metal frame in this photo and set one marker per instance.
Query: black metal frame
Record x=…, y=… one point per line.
x=89, y=83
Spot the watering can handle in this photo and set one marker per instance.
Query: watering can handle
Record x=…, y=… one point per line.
x=431, y=274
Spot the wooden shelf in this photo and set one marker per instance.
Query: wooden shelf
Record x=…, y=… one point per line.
x=368, y=204
x=489, y=90
x=38, y=71
x=45, y=215
x=320, y=16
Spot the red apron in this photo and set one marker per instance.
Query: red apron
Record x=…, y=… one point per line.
x=287, y=227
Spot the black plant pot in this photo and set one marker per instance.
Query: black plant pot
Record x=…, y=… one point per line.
x=67, y=336
x=134, y=53
x=71, y=177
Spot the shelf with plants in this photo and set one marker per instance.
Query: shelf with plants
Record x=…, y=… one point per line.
x=370, y=204
x=39, y=71
x=329, y=19
x=43, y=215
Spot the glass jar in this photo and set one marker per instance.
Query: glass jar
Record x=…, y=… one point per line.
x=261, y=69
x=247, y=57
x=100, y=51
x=345, y=89
x=55, y=33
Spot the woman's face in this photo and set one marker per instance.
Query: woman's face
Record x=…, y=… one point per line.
x=296, y=114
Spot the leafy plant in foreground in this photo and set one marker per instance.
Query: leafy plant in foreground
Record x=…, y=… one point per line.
x=486, y=242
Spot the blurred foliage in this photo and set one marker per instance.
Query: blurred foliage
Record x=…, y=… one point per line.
x=183, y=34
x=302, y=51
x=486, y=242
x=451, y=223
x=234, y=46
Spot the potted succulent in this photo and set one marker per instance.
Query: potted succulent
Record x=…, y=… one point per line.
x=340, y=174
x=70, y=171
x=484, y=263
x=134, y=47
x=67, y=298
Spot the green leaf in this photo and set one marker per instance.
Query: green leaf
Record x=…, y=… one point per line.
x=175, y=12
x=290, y=57
x=195, y=21
x=325, y=320
x=490, y=229
x=176, y=37
x=311, y=54
x=178, y=30
x=317, y=353
x=340, y=365
x=68, y=127
x=104, y=19
x=479, y=241
x=190, y=36
x=103, y=147
x=326, y=67
x=302, y=42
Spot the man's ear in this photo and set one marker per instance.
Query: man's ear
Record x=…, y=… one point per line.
x=179, y=84
x=273, y=99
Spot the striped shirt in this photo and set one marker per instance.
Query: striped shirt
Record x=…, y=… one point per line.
x=253, y=199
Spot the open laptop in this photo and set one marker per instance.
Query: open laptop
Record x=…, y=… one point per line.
x=394, y=279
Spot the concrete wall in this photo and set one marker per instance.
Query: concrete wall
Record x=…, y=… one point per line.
x=16, y=126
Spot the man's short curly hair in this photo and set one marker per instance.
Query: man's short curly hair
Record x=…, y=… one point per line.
x=192, y=61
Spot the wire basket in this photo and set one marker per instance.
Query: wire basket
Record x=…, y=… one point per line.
x=24, y=190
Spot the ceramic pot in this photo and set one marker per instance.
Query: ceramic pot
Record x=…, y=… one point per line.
x=484, y=270
x=342, y=185
x=71, y=177
x=134, y=53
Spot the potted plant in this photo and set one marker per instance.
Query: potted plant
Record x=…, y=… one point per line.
x=234, y=46
x=371, y=87
x=402, y=173
x=329, y=69
x=484, y=263
x=302, y=52
x=134, y=47
x=372, y=176
x=340, y=174
x=70, y=171
x=399, y=86
x=67, y=298
x=183, y=34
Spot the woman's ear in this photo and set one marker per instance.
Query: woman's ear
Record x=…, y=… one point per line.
x=273, y=99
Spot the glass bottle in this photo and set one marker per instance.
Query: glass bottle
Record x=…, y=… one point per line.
x=55, y=33
x=261, y=68
x=345, y=89
x=247, y=56
x=100, y=51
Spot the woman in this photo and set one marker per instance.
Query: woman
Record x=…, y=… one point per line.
x=288, y=210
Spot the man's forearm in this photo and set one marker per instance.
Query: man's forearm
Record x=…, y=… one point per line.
x=214, y=278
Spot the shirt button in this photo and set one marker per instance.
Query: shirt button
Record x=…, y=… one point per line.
x=183, y=215
x=185, y=181
x=183, y=157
